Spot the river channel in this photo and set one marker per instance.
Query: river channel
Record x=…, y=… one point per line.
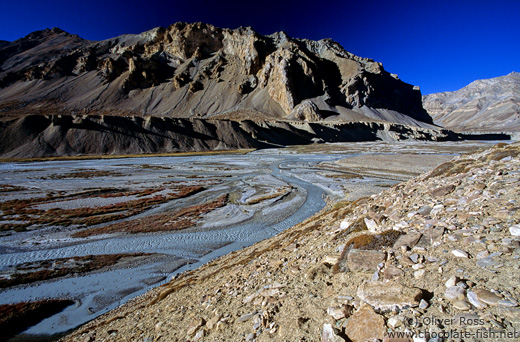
x=271, y=190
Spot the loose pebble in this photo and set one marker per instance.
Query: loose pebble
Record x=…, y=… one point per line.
x=459, y=254
x=461, y=305
x=473, y=299
x=487, y=297
x=515, y=230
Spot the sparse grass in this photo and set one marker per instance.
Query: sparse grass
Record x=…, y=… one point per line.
x=341, y=204
x=497, y=153
x=86, y=174
x=24, y=215
x=282, y=192
x=122, y=156
x=49, y=269
x=501, y=151
x=181, y=219
x=452, y=168
x=375, y=241
x=344, y=175
x=367, y=242
x=11, y=188
x=154, y=167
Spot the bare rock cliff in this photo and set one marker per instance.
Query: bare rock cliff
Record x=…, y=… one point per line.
x=198, y=70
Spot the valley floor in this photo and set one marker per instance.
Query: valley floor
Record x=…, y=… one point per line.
x=279, y=189
x=434, y=256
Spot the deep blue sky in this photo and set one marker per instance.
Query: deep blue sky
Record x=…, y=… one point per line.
x=438, y=45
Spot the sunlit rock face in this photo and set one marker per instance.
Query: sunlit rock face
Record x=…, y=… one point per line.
x=194, y=87
x=484, y=105
x=198, y=70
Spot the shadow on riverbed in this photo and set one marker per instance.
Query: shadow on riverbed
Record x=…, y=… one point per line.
x=15, y=318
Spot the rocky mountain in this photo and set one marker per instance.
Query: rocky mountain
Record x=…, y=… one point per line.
x=491, y=105
x=193, y=72
x=198, y=70
x=434, y=256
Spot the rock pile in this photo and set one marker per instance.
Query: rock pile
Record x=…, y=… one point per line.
x=434, y=259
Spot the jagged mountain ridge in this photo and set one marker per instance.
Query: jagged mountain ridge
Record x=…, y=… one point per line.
x=483, y=105
x=198, y=70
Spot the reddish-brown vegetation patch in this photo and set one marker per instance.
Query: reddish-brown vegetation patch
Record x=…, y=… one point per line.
x=49, y=269
x=23, y=213
x=368, y=242
x=15, y=318
x=84, y=174
x=181, y=219
x=10, y=188
x=282, y=192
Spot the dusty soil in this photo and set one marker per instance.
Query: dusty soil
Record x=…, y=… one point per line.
x=397, y=164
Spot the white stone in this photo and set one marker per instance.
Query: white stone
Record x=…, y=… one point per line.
x=401, y=225
x=436, y=209
x=482, y=255
x=330, y=260
x=507, y=303
x=371, y=225
x=199, y=336
x=419, y=274
x=344, y=224
x=459, y=254
x=454, y=293
x=394, y=322
x=515, y=230
x=451, y=282
x=328, y=334
x=336, y=313
x=462, y=305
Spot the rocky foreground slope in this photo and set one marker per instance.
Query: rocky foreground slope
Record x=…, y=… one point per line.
x=491, y=105
x=435, y=255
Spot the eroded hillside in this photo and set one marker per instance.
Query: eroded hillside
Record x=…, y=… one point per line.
x=198, y=70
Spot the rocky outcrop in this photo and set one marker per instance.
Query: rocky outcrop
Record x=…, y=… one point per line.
x=450, y=269
x=198, y=70
x=65, y=135
x=491, y=105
